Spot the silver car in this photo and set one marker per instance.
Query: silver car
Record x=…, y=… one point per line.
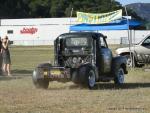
x=139, y=55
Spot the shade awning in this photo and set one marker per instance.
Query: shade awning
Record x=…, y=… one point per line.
x=119, y=25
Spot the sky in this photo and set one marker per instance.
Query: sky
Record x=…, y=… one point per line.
x=125, y=2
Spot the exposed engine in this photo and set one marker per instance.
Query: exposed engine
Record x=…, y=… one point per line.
x=75, y=62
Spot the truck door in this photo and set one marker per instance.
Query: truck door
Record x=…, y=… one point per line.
x=105, y=57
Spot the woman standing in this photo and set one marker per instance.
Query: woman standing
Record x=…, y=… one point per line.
x=1, y=57
x=6, y=56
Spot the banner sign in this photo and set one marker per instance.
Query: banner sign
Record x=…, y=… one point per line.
x=92, y=18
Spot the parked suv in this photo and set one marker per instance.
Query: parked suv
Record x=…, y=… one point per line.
x=140, y=53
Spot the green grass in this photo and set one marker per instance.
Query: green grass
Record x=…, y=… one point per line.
x=18, y=94
x=27, y=58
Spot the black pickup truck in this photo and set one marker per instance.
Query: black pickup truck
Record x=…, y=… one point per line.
x=81, y=57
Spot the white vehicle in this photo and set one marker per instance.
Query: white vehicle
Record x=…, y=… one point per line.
x=140, y=53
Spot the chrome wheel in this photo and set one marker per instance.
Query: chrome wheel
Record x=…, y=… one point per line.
x=91, y=79
x=119, y=77
x=130, y=62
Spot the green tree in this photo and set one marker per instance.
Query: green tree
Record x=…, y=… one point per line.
x=56, y=8
x=39, y=8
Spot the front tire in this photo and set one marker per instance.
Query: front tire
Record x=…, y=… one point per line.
x=119, y=76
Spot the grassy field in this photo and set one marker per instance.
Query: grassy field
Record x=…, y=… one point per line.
x=18, y=95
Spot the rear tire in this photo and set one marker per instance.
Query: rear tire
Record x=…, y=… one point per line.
x=74, y=77
x=42, y=84
x=39, y=82
x=91, y=79
x=87, y=76
x=119, y=76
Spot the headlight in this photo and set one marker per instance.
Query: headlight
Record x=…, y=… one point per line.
x=79, y=60
x=74, y=60
x=66, y=51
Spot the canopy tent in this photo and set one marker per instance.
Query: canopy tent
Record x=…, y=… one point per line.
x=117, y=25
x=123, y=24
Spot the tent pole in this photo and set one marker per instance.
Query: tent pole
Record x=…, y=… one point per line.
x=134, y=45
x=70, y=17
x=129, y=38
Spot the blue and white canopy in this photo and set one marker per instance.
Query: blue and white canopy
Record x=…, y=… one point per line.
x=118, y=25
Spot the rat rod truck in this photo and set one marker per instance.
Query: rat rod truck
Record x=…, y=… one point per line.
x=81, y=57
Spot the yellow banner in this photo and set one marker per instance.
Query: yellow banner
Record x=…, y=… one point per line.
x=92, y=18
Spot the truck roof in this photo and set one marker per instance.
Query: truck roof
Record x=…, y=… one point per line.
x=83, y=33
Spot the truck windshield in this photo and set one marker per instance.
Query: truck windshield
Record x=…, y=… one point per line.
x=77, y=41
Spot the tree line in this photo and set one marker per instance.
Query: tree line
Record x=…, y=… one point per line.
x=55, y=8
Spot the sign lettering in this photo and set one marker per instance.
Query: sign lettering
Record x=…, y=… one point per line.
x=92, y=18
x=26, y=30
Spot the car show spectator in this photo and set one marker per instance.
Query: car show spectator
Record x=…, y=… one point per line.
x=0, y=57
x=6, y=56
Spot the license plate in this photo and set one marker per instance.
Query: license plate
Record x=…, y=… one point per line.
x=45, y=73
x=55, y=72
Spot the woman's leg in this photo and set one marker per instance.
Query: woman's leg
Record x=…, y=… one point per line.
x=4, y=67
x=8, y=69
